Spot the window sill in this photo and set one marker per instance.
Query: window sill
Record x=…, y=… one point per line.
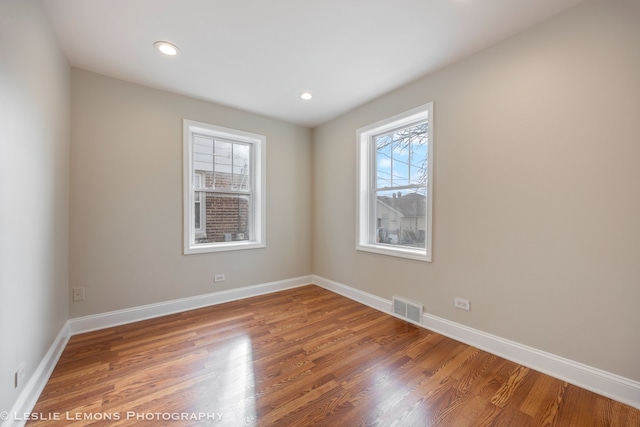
x=223, y=247
x=415, y=254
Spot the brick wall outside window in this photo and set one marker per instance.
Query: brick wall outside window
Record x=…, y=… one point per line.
x=226, y=214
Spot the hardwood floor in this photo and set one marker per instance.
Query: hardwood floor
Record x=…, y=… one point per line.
x=300, y=357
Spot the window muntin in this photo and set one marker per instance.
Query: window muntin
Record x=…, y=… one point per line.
x=224, y=185
x=395, y=185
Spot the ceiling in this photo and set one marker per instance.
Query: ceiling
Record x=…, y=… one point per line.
x=259, y=55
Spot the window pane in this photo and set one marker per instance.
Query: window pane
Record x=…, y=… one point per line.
x=400, y=152
x=197, y=212
x=222, y=165
x=202, y=161
x=401, y=218
x=241, y=167
x=401, y=157
x=227, y=218
x=384, y=161
x=419, y=156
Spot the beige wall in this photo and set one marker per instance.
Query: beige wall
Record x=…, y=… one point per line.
x=126, y=198
x=34, y=161
x=536, y=198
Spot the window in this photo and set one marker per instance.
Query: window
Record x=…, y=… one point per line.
x=224, y=197
x=394, y=187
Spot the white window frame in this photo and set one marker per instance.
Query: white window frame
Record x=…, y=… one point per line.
x=257, y=216
x=366, y=221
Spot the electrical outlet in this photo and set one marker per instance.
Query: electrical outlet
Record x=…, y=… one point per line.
x=218, y=278
x=19, y=375
x=462, y=303
x=78, y=294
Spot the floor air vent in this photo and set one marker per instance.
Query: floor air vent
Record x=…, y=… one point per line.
x=407, y=310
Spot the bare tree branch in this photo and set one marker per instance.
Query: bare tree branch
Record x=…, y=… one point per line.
x=405, y=139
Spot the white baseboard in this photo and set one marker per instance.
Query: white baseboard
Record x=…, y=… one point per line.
x=365, y=298
x=94, y=322
x=622, y=389
x=31, y=392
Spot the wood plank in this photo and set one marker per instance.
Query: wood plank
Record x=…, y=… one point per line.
x=299, y=357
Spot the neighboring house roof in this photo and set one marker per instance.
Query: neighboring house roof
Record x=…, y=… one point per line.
x=410, y=205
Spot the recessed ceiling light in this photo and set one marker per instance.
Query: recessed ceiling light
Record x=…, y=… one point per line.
x=306, y=96
x=166, y=48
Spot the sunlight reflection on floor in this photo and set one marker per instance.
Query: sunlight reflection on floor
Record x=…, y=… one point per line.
x=238, y=382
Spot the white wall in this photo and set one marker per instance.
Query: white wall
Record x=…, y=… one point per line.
x=536, y=198
x=126, y=198
x=34, y=161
